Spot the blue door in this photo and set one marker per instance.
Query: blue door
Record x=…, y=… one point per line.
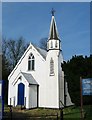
x=21, y=89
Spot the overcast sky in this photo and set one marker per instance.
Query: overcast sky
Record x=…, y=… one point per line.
x=32, y=21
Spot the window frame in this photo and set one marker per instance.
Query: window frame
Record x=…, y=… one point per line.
x=52, y=67
x=31, y=62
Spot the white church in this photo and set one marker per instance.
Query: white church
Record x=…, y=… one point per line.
x=38, y=80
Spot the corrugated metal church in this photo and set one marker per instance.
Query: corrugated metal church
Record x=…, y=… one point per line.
x=38, y=80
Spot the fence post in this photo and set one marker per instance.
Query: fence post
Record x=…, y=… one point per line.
x=11, y=111
x=57, y=116
x=61, y=114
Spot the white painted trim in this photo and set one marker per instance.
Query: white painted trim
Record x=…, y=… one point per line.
x=29, y=47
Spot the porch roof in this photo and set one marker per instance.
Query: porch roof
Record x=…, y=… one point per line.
x=29, y=78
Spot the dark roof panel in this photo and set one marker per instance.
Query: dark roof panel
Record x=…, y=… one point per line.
x=53, y=30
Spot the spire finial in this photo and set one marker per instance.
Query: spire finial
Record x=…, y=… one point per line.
x=52, y=12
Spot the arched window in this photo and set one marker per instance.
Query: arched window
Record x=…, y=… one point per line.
x=51, y=67
x=31, y=62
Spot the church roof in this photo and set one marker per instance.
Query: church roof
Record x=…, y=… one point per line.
x=53, y=34
x=29, y=78
x=42, y=52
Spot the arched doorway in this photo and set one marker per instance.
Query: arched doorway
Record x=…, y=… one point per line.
x=21, y=90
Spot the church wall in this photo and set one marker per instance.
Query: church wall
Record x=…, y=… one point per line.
x=26, y=93
x=13, y=92
x=51, y=84
x=23, y=66
x=52, y=91
x=39, y=73
x=33, y=96
x=61, y=81
x=61, y=86
x=40, y=76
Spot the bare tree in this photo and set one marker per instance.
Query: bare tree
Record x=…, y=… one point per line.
x=13, y=50
x=43, y=43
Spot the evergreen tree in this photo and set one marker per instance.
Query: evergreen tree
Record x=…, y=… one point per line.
x=75, y=68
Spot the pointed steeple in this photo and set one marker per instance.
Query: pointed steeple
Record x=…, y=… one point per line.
x=53, y=42
x=53, y=34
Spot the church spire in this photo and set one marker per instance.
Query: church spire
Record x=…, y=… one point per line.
x=53, y=42
x=53, y=34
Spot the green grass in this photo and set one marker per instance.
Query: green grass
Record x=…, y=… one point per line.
x=88, y=111
x=74, y=113
x=70, y=113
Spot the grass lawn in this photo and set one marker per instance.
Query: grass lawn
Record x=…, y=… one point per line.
x=74, y=113
x=70, y=113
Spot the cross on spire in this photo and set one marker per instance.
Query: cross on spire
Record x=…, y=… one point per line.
x=52, y=12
